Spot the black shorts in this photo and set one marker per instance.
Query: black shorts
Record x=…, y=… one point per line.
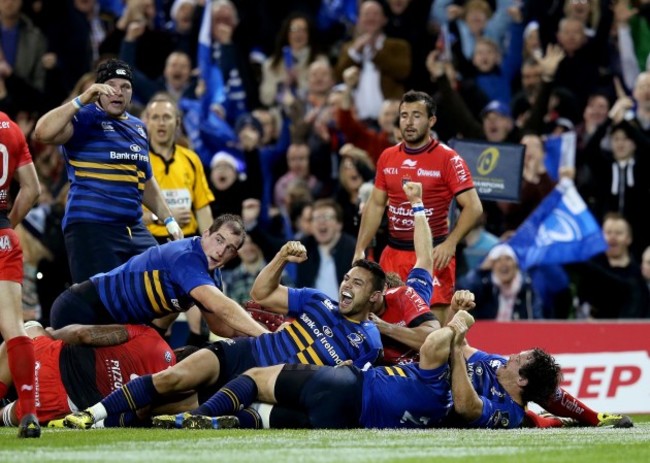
x=235, y=357
x=98, y=247
x=331, y=397
x=79, y=304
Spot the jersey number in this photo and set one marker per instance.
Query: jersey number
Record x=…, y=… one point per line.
x=4, y=166
x=422, y=421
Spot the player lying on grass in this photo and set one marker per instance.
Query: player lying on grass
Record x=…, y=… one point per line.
x=347, y=332
x=79, y=364
x=475, y=389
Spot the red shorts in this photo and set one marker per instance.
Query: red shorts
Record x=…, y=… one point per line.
x=401, y=262
x=11, y=256
x=51, y=396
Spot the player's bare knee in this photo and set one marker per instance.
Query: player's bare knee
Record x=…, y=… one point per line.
x=265, y=379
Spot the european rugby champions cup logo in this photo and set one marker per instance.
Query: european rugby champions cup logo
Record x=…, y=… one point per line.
x=487, y=161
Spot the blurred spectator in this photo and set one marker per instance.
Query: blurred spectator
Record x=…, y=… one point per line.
x=645, y=266
x=152, y=44
x=23, y=46
x=536, y=184
x=353, y=172
x=475, y=247
x=287, y=67
x=531, y=82
x=502, y=291
x=298, y=162
x=227, y=184
x=619, y=181
x=610, y=285
x=176, y=78
x=408, y=20
x=357, y=132
x=330, y=250
x=182, y=26
x=384, y=62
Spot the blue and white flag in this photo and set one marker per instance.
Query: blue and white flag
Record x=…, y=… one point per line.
x=208, y=69
x=560, y=151
x=559, y=231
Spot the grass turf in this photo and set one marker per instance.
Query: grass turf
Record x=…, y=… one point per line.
x=355, y=446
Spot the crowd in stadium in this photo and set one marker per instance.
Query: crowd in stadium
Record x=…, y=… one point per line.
x=251, y=124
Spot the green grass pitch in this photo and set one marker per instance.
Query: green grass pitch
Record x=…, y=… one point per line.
x=355, y=446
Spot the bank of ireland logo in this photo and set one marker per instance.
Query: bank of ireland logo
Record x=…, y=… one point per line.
x=487, y=161
x=135, y=148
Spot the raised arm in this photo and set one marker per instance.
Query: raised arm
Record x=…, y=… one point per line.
x=467, y=403
x=267, y=289
x=422, y=239
x=55, y=126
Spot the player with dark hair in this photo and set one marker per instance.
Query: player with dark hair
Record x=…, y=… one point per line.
x=323, y=332
x=444, y=176
x=16, y=163
x=107, y=160
x=480, y=390
x=80, y=364
x=163, y=280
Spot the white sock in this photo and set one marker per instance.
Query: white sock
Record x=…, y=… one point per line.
x=264, y=410
x=98, y=411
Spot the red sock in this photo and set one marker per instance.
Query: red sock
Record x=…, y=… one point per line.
x=537, y=421
x=3, y=390
x=22, y=362
x=564, y=404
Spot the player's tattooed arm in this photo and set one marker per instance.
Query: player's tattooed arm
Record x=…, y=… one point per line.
x=92, y=335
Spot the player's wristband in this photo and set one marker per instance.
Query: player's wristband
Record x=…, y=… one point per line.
x=417, y=208
x=77, y=103
x=169, y=220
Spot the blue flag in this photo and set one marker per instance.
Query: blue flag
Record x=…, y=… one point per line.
x=559, y=231
x=559, y=151
x=208, y=69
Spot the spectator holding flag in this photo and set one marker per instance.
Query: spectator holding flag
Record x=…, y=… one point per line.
x=224, y=64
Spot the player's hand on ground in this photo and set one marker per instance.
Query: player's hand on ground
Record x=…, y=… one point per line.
x=462, y=300
x=442, y=254
x=294, y=251
x=413, y=191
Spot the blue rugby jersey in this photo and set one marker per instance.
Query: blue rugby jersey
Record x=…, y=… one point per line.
x=107, y=161
x=405, y=396
x=319, y=335
x=157, y=282
x=499, y=410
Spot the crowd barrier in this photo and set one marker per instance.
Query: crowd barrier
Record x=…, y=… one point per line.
x=605, y=364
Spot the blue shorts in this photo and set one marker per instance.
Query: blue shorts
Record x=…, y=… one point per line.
x=235, y=357
x=95, y=247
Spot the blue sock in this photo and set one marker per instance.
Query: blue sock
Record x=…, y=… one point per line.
x=231, y=398
x=125, y=420
x=134, y=395
x=249, y=419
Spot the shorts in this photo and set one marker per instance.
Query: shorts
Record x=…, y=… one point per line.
x=95, y=247
x=330, y=396
x=51, y=397
x=401, y=262
x=11, y=256
x=235, y=357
